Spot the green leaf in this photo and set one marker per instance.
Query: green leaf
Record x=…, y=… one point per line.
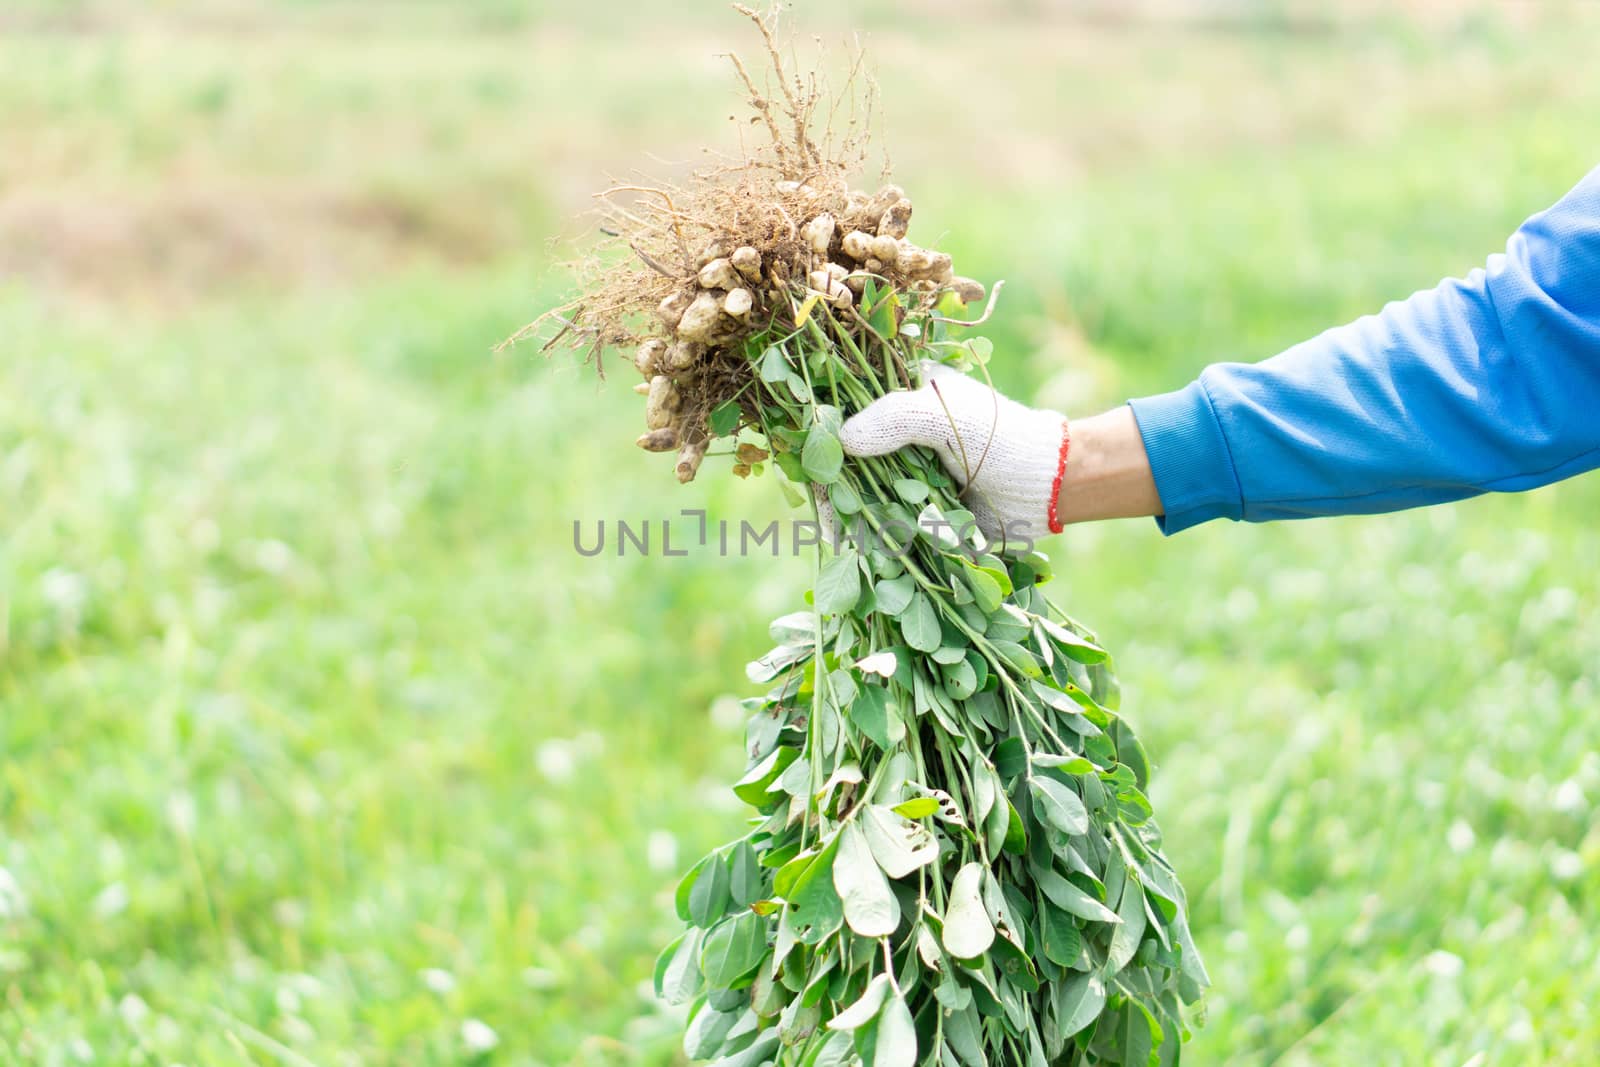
x=897, y=1036
x=1059, y=806
x=709, y=899
x=1016, y=841
x=774, y=367
x=836, y=1050
x=1062, y=940
x=1010, y=757
x=1068, y=897
x=789, y=873
x=746, y=884
x=895, y=594
x=789, y=464
x=755, y=1055
x=838, y=584
x=815, y=910
x=707, y=1031
x=1134, y=1028
x=898, y=845
x=1072, y=645
x=687, y=884
x=874, y=715
x=829, y=417
x=960, y=679
x=920, y=624
x=936, y=526
x=910, y=490
x=1125, y=940
x=724, y=418
x=752, y=788
x=733, y=949
x=984, y=588
x=823, y=456
x=845, y=500
x=917, y=807
x=865, y=1008
x=1066, y=764
x=1018, y=657
x=882, y=317
x=870, y=906
x=678, y=976
x=967, y=930
x=1078, y=1002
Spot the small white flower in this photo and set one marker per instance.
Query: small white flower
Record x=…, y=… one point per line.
x=1568, y=798
x=289, y=913
x=133, y=1009
x=1442, y=964
x=478, y=1036
x=110, y=901
x=540, y=978
x=307, y=985
x=13, y=902
x=1565, y=865
x=439, y=981
x=1298, y=938
x=661, y=851
x=287, y=1000
x=1460, y=837
x=64, y=590
x=273, y=557
x=556, y=760
x=81, y=1050
x=181, y=813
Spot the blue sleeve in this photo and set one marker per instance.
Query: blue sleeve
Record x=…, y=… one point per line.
x=1491, y=383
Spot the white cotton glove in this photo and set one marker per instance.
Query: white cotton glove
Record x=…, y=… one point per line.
x=1007, y=458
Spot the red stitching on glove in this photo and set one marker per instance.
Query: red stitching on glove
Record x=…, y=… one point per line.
x=1061, y=472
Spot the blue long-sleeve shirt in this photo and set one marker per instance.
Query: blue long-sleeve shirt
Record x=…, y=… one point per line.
x=1488, y=383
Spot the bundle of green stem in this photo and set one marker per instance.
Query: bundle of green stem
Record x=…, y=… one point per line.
x=952, y=859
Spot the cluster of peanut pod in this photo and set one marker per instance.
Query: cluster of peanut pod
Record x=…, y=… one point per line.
x=846, y=239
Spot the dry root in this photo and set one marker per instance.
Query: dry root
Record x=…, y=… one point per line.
x=724, y=258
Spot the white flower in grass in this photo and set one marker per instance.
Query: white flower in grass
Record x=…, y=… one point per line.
x=110, y=901
x=438, y=980
x=13, y=902
x=661, y=851
x=1442, y=964
x=133, y=1009
x=273, y=557
x=1460, y=837
x=1568, y=798
x=556, y=760
x=1565, y=865
x=479, y=1036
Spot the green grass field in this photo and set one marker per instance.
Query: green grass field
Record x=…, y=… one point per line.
x=319, y=743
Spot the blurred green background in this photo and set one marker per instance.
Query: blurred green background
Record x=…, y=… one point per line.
x=318, y=742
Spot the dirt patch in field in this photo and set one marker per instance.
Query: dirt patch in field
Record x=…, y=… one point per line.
x=182, y=243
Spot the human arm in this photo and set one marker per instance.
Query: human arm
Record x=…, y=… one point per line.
x=1488, y=383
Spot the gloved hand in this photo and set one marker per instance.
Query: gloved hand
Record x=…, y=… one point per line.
x=1008, y=459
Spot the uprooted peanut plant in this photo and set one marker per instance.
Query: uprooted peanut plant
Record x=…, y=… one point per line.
x=951, y=859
